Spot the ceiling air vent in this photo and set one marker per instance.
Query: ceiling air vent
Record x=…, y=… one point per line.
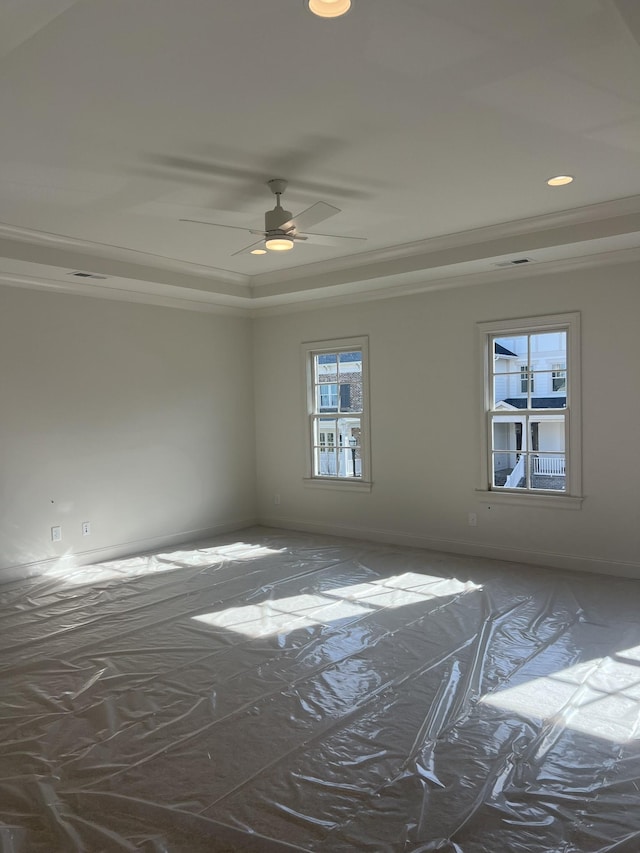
x=88, y=275
x=514, y=263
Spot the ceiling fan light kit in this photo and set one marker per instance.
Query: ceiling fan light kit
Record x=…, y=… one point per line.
x=279, y=243
x=328, y=8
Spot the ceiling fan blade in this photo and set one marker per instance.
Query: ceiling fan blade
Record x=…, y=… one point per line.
x=193, y=164
x=314, y=214
x=293, y=162
x=330, y=239
x=220, y=225
x=247, y=248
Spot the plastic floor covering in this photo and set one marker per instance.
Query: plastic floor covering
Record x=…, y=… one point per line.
x=270, y=691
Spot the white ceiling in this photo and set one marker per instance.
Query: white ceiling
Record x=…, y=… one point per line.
x=432, y=124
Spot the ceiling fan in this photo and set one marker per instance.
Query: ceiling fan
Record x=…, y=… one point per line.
x=282, y=229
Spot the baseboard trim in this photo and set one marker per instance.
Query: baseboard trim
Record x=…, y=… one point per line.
x=546, y=559
x=21, y=571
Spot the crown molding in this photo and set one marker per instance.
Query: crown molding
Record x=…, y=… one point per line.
x=433, y=264
x=124, y=291
x=520, y=228
x=214, y=277
x=410, y=285
x=109, y=251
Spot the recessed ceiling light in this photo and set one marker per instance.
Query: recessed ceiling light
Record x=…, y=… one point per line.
x=328, y=8
x=279, y=244
x=560, y=180
x=258, y=251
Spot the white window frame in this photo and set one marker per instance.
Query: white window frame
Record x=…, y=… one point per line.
x=572, y=497
x=310, y=349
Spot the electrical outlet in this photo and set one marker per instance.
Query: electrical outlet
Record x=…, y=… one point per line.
x=473, y=519
x=276, y=500
x=56, y=534
x=86, y=528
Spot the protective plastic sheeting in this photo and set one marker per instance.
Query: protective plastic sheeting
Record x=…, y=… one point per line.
x=269, y=689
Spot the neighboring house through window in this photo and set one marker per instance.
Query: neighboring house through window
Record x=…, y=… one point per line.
x=337, y=431
x=526, y=379
x=559, y=377
x=531, y=418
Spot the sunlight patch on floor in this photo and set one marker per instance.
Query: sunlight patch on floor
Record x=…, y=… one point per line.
x=283, y=615
x=66, y=570
x=600, y=697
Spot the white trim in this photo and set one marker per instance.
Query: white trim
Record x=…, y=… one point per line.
x=95, y=251
x=607, y=213
x=307, y=350
x=122, y=290
x=547, y=559
x=347, y=484
x=628, y=206
x=245, y=301
x=419, y=281
x=539, y=500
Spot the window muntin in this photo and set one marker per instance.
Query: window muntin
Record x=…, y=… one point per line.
x=336, y=374
x=531, y=424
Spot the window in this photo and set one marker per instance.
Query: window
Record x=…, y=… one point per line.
x=531, y=412
x=337, y=426
x=526, y=378
x=559, y=378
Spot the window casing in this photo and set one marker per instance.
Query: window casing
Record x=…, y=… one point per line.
x=531, y=448
x=337, y=426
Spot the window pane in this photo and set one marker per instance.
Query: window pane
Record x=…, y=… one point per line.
x=559, y=378
x=509, y=433
x=507, y=389
x=326, y=367
x=547, y=348
x=548, y=471
x=327, y=397
x=510, y=371
x=351, y=361
x=325, y=460
x=510, y=470
x=509, y=353
x=350, y=381
x=546, y=433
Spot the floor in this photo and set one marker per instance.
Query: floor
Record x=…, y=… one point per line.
x=269, y=691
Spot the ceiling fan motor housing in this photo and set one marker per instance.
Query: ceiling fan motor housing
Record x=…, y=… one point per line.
x=274, y=219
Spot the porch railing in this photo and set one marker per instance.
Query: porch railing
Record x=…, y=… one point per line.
x=548, y=466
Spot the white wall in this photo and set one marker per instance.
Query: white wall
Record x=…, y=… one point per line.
x=136, y=418
x=425, y=422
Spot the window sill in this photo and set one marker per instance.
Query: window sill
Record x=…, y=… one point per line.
x=527, y=499
x=339, y=483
